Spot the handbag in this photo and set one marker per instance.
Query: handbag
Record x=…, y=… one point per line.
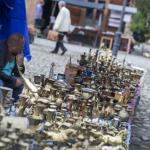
x=53, y=35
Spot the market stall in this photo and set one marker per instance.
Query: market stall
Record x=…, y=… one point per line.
x=92, y=101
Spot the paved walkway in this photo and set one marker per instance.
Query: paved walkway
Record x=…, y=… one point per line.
x=140, y=132
x=134, y=59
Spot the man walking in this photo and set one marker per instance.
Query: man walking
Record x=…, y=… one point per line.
x=38, y=14
x=10, y=55
x=62, y=25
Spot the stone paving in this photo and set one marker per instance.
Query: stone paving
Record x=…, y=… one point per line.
x=140, y=129
x=134, y=58
x=42, y=60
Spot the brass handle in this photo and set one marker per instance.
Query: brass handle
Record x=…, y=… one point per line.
x=70, y=106
x=83, y=106
x=91, y=109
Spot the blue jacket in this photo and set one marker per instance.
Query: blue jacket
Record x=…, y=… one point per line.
x=13, y=19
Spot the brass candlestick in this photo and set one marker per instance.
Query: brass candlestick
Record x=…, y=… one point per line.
x=37, y=79
x=21, y=109
x=10, y=105
x=49, y=122
x=49, y=83
x=82, y=134
x=42, y=80
x=52, y=96
x=4, y=91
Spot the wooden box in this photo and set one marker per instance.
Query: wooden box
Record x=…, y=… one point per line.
x=87, y=79
x=71, y=71
x=118, y=96
x=108, y=93
x=123, y=99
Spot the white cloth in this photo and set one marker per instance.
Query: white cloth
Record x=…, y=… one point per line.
x=63, y=20
x=117, y=15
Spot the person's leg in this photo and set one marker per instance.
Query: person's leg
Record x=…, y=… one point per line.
x=36, y=23
x=61, y=43
x=39, y=23
x=55, y=51
x=16, y=90
x=1, y=84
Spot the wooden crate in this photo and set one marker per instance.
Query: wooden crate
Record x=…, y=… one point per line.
x=71, y=70
x=118, y=96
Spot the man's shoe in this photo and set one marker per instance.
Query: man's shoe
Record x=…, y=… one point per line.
x=54, y=52
x=63, y=52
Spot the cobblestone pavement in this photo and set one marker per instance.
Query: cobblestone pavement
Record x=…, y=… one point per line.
x=134, y=59
x=42, y=60
x=140, y=129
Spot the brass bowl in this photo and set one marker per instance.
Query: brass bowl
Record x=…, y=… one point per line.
x=85, y=95
x=34, y=120
x=37, y=79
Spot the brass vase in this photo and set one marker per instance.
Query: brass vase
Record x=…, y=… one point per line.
x=49, y=83
x=118, y=107
x=52, y=96
x=2, y=146
x=110, y=111
x=44, y=101
x=77, y=88
x=10, y=105
x=91, y=137
x=93, y=126
x=4, y=91
x=45, y=92
x=82, y=133
x=39, y=110
x=75, y=113
x=95, y=111
x=104, y=130
x=6, y=141
x=37, y=79
x=50, y=115
x=123, y=113
x=21, y=109
x=106, y=124
x=34, y=120
x=63, y=111
x=61, y=96
x=86, y=111
x=70, y=120
x=103, y=110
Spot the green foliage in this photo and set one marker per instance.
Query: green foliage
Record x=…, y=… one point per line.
x=139, y=23
x=141, y=3
x=147, y=33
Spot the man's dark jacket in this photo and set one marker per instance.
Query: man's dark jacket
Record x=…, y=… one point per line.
x=4, y=59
